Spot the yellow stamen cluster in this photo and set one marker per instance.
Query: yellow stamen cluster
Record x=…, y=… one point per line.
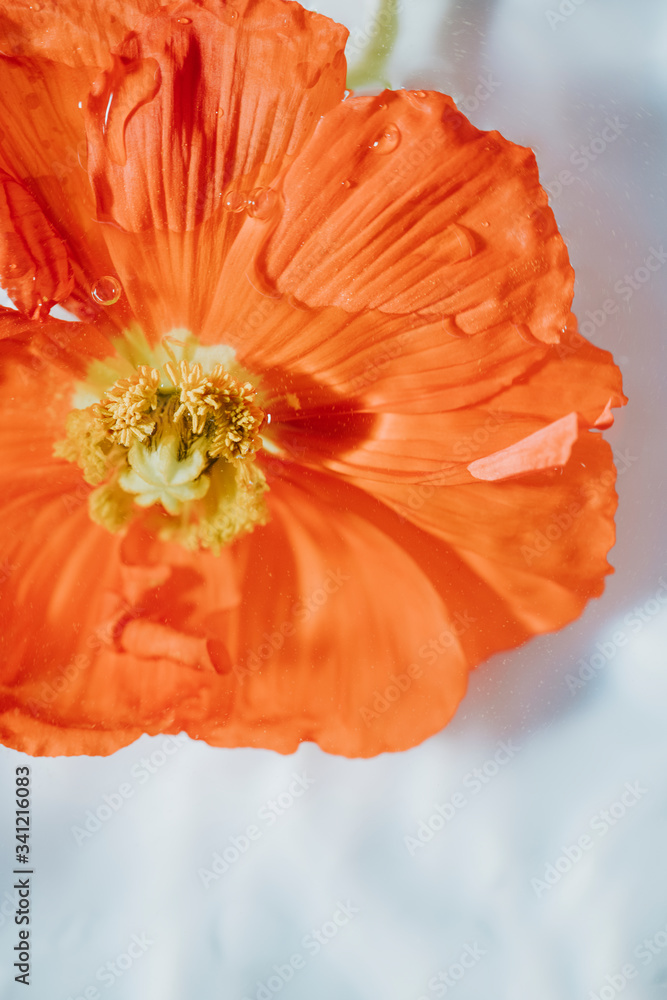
x=178, y=437
x=208, y=398
x=88, y=445
x=126, y=411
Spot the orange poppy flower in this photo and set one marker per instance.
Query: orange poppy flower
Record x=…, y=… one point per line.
x=326, y=436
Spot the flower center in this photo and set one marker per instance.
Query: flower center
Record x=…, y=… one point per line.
x=180, y=440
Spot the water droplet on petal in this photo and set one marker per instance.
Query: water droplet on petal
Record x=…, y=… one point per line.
x=346, y=184
x=309, y=73
x=262, y=203
x=106, y=290
x=348, y=93
x=235, y=201
x=31, y=101
x=486, y=225
x=117, y=95
x=82, y=153
x=421, y=94
x=300, y=307
x=382, y=107
x=184, y=20
x=526, y=334
x=388, y=140
x=541, y=221
x=233, y=15
x=463, y=245
x=450, y=326
x=220, y=112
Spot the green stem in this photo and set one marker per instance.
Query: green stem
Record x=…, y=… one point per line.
x=370, y=69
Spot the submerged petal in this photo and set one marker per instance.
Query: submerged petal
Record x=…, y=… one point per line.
x=539, y=541
x=68, y=31
x=369, y=361
x=347, y=370
x=44, y=149
x=34, y=267
x=398, y=203
x=333, y=615
x=547, y=448
x=198, y=113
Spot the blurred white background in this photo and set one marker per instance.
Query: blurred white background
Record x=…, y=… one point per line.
x=545, y=874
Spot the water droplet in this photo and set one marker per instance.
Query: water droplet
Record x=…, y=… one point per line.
x=462, y=245
x=233, y=15
x=262, y=203
x=451, y=328
x=388, y=140
x=36, y=6
x=82, y=153
x=235, y=201
x=348, y=93
x=526, y=334
x=309, y=73
x=31, y=101
x=421, y=94
x=184, y=20
x=486, y=225
x=346, y=184
x=540, y=219
x=339, y=65
x=382, y=107
x=300, y=307
x=220, y=112
x=107, y=290
x=106, y=113
x=118, y=94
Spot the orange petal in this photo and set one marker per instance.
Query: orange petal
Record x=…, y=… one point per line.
x=367, y=361
x=68, y=31
x=67, y=685
x=37, y=348
x=540, y=542
x=199, y=111
x=325, y=642
x=38, y=373
x=86, y=665
x=398, y=203
x=547, y=448
x=92, y=654
x=84, y=672
x=14, y=325
x=44, y=148
x=34, y=267
x=573, y=374
x=389, y=433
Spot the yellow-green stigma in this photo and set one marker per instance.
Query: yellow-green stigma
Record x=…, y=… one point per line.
x=174, y=437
